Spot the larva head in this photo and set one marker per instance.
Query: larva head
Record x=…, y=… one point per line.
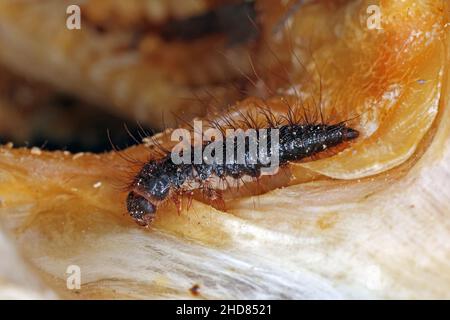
x=140, y=209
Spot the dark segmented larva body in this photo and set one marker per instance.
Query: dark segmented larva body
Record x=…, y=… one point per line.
x=158, y=179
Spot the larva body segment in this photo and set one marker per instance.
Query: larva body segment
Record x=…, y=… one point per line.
x=160, y=179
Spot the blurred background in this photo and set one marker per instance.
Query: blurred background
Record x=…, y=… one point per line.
x=135, y=64
x=33, y=113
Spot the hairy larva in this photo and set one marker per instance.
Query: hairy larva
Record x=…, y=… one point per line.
x=162, y=179
x=299, y=137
